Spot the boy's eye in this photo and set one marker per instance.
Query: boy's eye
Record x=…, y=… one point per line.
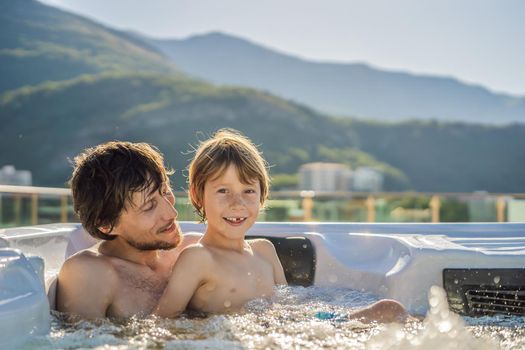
x=250, y=190
x=222, y=190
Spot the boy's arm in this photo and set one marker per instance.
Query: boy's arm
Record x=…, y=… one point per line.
x=267, y=249
x=188, y=274
x=86, y=286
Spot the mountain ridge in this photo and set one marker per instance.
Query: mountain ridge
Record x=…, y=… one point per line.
x=352, y=89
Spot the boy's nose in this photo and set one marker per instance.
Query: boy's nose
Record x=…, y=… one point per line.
x=237, y=200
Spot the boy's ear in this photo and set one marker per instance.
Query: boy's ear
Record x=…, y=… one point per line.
x=194, y=196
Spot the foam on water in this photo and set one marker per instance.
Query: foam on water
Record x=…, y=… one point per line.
x=289, y=321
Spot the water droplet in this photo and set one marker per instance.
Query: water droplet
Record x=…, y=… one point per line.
x=305, y=246
x=227, y=303
x=456, y=281
x=497, y=279
x=445, y=326
x=433, y=301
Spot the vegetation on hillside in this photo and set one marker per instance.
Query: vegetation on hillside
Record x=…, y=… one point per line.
x=49, y=123
x=39, y=43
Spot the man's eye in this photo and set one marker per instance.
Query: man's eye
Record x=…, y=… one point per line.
x=149, y=207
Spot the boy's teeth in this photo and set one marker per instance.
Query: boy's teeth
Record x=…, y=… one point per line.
x=234, y=219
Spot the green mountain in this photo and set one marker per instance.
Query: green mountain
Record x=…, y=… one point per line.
x=41, y=43
x=339, y=88
x=52, y=122
x=450, y=157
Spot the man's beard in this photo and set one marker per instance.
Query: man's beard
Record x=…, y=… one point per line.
x=158, y=245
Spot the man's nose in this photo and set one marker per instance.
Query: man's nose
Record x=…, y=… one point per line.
x=169, y=210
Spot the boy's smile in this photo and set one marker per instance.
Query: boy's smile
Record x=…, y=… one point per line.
x=235, y=221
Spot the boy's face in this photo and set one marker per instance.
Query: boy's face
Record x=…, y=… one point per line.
x=149, y=222
x=231, y=206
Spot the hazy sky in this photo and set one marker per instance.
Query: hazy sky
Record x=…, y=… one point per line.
x=476, y=41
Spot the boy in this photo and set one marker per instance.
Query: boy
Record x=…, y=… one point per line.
x=228, y=184
x=122, y=195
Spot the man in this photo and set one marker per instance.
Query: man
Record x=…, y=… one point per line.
x=122, y=195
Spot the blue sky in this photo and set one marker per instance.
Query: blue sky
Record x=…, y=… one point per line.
x=476, y=41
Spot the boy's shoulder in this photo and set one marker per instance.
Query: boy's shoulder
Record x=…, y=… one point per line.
x=196, y=253
x=262, y=246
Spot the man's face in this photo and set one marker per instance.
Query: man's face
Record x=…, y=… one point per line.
x=149, y=221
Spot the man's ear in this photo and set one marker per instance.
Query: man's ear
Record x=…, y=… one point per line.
x=106, y=229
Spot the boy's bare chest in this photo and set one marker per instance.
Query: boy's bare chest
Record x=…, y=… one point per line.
x=235, y=282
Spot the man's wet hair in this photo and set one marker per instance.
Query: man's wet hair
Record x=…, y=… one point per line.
x=105, y=178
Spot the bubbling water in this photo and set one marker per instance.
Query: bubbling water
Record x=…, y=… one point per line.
x=441, y=329
x=296, y=317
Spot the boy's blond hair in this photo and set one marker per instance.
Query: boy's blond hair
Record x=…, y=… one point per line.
x=215, y=155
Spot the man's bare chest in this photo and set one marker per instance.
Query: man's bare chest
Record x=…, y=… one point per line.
x=138, y=292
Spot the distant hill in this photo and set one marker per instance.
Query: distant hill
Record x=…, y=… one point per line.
x=41, y=43
x=340, y=89
x=52, y=122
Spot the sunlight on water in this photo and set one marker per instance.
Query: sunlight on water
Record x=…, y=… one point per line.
x=306, y=318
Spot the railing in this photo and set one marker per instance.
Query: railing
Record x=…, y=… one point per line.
x=17, y=201
x=435, y=200
x=25, y=205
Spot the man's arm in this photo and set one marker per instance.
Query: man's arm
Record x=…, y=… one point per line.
x=267, y=250
x=86, y=286
x=383, y=311
x=188, y=274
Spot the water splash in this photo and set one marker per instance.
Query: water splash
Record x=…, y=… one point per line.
x=441, y=329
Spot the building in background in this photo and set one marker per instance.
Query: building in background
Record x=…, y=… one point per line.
x=10, y=176
x=329, y=177
x=366, y=179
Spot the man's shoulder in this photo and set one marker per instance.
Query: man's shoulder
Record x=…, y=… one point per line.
x=87, y=262
x=87, y=283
